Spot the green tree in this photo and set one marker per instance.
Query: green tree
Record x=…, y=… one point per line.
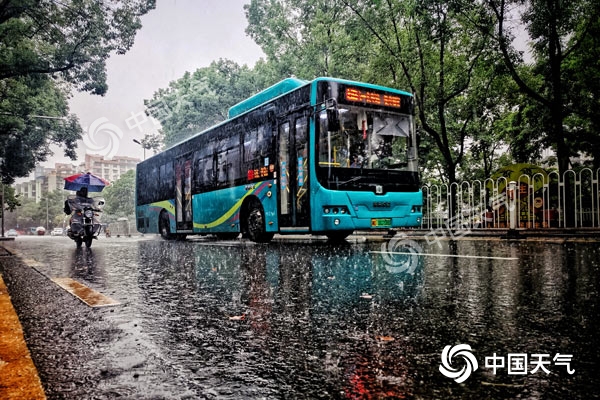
x=309, y=38
x=50, y=212
x=26, y=131
x=431, y=48
x=120, y=196
x=48, y=48
x=583, y=72
x=47, y=212
x=151, y=142
x=11, y=200
x=71, y=38
x=201, y=99
x=563, y=38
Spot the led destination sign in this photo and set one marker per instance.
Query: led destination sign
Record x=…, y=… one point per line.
x=358, y=95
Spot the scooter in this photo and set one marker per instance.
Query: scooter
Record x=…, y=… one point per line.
x=84, y=225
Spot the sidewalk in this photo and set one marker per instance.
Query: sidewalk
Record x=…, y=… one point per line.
x=18, y=376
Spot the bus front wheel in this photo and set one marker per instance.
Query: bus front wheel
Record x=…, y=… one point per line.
x=255, y=223
x=338, y=236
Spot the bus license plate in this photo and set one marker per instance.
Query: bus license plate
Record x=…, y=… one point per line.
x=381, y=223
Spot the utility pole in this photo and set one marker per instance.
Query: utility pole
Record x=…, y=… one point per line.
x=2, y=210
x=46, y=212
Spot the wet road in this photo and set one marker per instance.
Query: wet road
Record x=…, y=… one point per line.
x=208, y=319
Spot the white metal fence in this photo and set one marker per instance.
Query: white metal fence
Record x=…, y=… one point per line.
x=542, y=201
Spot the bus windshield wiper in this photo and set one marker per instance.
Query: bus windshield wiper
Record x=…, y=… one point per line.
x=350, y=180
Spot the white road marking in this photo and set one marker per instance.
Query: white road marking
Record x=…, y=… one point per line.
x=89, y=296
x=447, y=255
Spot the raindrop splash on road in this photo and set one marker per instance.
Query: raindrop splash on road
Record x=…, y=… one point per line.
x=240, y=320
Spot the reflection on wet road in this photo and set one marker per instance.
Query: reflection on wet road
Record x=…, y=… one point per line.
x=239, y=320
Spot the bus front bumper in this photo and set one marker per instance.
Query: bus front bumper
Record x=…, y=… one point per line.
x=348, y=222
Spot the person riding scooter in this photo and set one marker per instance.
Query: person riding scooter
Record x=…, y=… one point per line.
x=81, y=197
x=84, y=224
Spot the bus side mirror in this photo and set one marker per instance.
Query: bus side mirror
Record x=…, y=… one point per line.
x=333, y=120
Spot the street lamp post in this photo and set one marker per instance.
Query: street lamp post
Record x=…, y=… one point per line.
x=141, y=144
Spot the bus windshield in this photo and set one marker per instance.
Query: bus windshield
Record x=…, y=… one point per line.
x=367, y=139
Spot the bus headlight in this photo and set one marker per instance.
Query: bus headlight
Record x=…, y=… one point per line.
x=335, y=210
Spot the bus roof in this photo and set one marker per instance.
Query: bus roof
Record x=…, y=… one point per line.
x=270, y=93
x=363, y=84
x=288, y=85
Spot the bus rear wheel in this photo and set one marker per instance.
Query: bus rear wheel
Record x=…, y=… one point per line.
x=164, y=225
x=227, y=235
x=255, y=223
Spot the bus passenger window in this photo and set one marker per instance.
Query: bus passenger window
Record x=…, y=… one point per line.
x=169, y=178
x=250, y=142
x=208, y=172
x=198, y=173
x=162, y=177
x=263, y=141
x=222, y=169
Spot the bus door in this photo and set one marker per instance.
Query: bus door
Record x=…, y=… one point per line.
x=183, y=193
x=293, y=173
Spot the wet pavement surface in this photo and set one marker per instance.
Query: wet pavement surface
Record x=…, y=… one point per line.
x=231, y=320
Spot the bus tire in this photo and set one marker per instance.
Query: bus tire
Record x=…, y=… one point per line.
x=338, y=236
x=256, y=224
x=164, y=225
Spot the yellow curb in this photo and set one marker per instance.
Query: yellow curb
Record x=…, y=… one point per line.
x=18, y=376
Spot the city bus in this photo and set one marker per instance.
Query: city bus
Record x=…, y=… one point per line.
x=323, y=157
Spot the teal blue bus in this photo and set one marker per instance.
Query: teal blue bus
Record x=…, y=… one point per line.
x=323, y=157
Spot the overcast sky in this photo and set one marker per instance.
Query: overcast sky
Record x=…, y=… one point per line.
x=178, y=36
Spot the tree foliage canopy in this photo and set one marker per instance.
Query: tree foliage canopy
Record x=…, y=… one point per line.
x=26, y=132
x=120, y=196
x=47, y=48
x=71, y=38
x=564, y=43
x=201, y=99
